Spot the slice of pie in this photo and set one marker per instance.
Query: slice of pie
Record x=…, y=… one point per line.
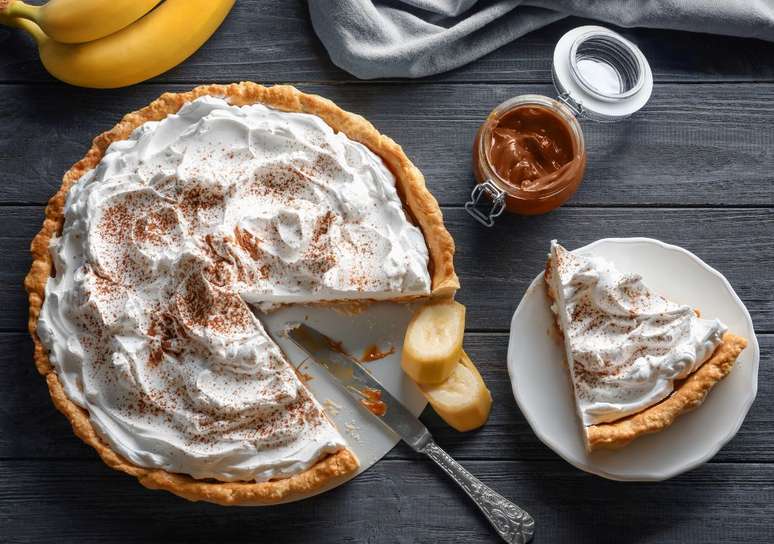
x=162, y=239
x=636, y=360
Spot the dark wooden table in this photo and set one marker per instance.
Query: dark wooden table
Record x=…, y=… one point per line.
x=694, y=168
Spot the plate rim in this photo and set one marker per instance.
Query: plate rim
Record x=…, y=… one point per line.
x=669, y=472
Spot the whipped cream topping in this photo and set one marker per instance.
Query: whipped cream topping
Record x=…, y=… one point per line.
x=167, y=241
x=625, y=345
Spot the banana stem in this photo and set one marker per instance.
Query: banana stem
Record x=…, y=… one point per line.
x=17, y=8
x=28, y=26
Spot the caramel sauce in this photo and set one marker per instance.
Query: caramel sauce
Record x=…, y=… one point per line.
x=529, y=147
x=373, y=353
x=336, y=346
x=373, y=401
x=531, y=150
x=303, y=376
x=372, y=398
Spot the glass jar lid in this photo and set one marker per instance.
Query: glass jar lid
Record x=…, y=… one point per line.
x=600, y=74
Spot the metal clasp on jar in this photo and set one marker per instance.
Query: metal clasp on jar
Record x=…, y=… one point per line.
x=486, y=213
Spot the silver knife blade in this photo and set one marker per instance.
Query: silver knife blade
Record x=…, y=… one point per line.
x=360, y=384
x=511, y=522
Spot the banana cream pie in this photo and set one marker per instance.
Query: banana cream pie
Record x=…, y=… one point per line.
x=176, y=223
x=636, y=360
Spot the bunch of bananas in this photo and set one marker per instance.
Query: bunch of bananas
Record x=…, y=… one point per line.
x=115, y=43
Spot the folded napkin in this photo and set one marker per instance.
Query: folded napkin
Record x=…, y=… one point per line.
x=415, y=38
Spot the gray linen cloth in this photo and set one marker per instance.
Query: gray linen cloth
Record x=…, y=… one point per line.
x=415, y=38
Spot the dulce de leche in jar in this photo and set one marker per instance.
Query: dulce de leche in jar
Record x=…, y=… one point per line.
x=529, y=156
x=530, y=152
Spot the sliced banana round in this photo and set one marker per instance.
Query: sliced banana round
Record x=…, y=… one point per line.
x=433, y=342
x=463, y=400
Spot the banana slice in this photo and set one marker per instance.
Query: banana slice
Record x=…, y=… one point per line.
x=433, y=342
x=463, y=401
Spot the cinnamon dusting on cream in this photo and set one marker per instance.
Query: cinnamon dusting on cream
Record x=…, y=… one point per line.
x=167, y=243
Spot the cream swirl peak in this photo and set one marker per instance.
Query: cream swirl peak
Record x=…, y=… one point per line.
x=165, y=244
x=625, y=345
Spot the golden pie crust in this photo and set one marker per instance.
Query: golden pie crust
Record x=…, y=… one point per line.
x=420, y=205
x=687, y=395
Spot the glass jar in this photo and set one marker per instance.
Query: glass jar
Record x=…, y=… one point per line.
x=600, y=76
x=556, y=187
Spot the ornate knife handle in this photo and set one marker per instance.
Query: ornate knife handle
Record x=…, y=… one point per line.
x=512, y=523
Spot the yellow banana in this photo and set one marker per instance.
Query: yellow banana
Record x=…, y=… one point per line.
x=76, y=21
x=155, y=43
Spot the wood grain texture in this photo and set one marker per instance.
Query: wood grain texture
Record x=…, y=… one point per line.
x=274, y=41
x=694, y=168
x=496, y=265
x=32, y=429
x=395, y=501
x=19, y=227
x=691, y=145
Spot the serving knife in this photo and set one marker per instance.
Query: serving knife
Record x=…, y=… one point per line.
x=511, y=522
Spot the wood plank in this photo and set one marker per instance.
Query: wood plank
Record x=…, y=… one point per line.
x=32, y=429
x=496, y=266
x=275, y=42
x=396, y=501
x=692, y=145
x=20, y=225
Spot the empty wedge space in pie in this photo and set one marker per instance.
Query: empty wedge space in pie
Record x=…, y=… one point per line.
x=636, y=360
x=177, y=221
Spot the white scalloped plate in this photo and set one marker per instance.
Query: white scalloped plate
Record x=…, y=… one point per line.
x=542, y=388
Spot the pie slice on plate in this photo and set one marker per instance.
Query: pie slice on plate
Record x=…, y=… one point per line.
x=178, y=222
x=636, y=360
